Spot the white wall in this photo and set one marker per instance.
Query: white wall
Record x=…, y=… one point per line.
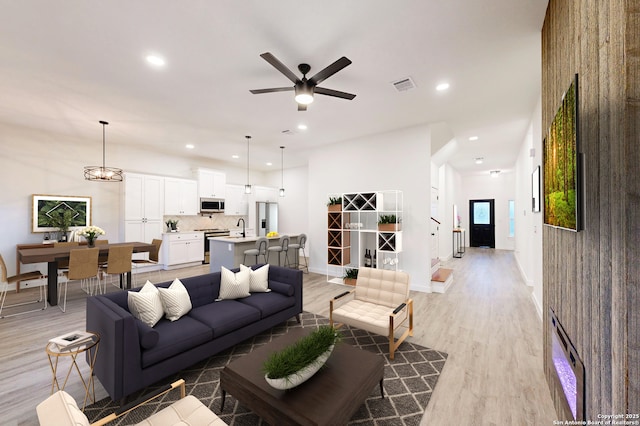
x=398, y=160
x=501, y=189
x=528, y=250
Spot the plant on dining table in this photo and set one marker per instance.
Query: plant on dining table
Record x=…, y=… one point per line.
x=91, y=233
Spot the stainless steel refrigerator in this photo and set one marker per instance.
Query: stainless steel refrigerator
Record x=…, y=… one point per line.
x=266, y=217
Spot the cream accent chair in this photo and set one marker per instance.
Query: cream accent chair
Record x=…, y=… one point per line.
x=380, y=304
x=60, y=409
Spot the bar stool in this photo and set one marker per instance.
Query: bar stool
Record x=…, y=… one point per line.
x=300, y=245
x=261, y=250
x=283, y=247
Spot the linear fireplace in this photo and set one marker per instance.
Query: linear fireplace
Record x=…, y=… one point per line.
x=569, y=369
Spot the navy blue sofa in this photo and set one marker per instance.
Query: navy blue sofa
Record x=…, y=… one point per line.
x=132, y=355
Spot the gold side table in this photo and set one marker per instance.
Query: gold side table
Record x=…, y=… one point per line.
x=54, y=354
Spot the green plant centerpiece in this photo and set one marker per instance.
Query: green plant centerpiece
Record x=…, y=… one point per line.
x=334, y=204
x=291, y=366
x=388, y=223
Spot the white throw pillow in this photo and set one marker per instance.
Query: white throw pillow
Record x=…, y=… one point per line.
x=233, y=286
x=146, y=304
x=258, y=279
x=175, y=300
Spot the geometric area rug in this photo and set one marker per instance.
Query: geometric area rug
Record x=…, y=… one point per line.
x=409, y=381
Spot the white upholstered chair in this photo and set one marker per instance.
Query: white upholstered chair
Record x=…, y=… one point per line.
x=60, y=409
x=380, y=304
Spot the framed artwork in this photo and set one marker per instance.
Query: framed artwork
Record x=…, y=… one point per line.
x=562, y=166
x=47, y=210
x=535, y=190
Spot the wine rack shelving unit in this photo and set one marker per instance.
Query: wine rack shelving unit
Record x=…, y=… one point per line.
x=353, y=230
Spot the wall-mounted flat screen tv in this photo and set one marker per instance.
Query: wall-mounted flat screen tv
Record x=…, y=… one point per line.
x=561, y=162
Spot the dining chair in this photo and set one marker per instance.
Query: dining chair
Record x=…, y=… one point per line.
x=26, y=276
x=63, y=264
x=118, y=263
x=152, y=260
x=83, y=266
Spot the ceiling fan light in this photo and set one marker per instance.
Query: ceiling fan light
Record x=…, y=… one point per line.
x=304, y=98
x=304, y=94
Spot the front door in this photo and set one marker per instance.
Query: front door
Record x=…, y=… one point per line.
x=481, y=213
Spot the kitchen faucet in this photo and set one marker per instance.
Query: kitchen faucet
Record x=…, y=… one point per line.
x=244, y=234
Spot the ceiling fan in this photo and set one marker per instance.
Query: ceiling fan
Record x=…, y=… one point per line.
x=304, y=87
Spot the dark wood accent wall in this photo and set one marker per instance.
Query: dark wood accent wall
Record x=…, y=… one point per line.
x=592, y=277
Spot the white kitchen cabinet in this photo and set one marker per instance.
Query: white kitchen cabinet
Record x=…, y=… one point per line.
x=263, y=193
x=143, y=207
x=211, y=183
x=180, y=196
x=182, y=249
x=235, y=203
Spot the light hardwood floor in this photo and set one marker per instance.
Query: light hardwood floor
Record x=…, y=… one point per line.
x=486, y=322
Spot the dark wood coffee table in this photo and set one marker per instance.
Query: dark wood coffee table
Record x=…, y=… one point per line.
x=332, y=396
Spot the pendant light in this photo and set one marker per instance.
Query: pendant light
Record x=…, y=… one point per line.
x=282, y=170
x=103, y=173
x=247, y=187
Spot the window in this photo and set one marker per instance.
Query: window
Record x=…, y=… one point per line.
x=512, y=218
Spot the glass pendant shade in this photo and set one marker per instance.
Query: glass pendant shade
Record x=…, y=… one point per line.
x=282, y=171
x=247, y=187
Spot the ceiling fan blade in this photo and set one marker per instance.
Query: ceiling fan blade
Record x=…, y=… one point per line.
x=273, y=89
x=280, y=66
x=330, y=70
x=336, y=93
x=302, y=107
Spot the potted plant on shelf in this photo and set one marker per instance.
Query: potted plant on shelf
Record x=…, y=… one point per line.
x=172, y=225
x=388, y=223
x=296, y=363
x=350, y=276
x=334, y=204
x=61, y=219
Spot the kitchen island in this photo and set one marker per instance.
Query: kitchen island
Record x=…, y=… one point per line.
x=229, y=251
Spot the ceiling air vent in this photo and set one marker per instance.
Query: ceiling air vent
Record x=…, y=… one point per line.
x=404, y=84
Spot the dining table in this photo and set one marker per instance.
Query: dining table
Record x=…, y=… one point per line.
x=53, y=255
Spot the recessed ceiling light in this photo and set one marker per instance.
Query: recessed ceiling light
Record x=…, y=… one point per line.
x=473, y=138
x=269, y=163
x=302, y=126
x=479, y=160
x=189, y=146
x=155, y=60
x=235, y=156
x=442, y=86
x=494, y=173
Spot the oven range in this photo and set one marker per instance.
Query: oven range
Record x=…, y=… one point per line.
x=214, y=232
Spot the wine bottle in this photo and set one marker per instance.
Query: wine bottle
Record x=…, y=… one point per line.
x=367, y=259
x=375, y=261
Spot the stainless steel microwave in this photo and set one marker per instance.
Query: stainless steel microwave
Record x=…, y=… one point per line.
x=211, y=205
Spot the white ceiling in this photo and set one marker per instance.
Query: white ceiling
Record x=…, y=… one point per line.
x=66, y=64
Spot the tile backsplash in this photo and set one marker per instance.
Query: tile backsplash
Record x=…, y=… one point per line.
x=216, y=220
